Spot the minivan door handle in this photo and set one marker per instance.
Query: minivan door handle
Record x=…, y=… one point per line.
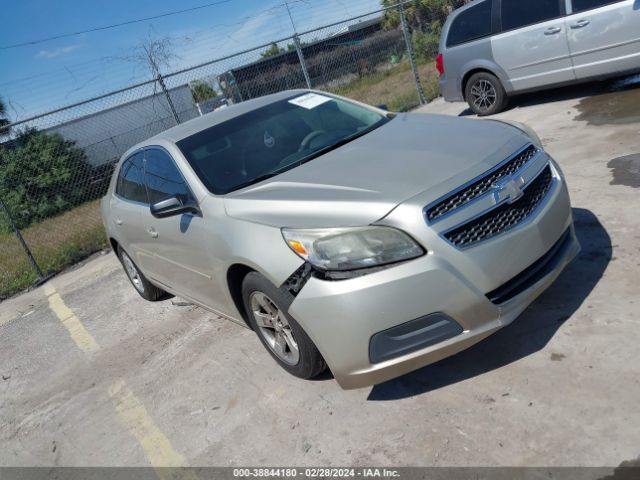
x=552, y=30
x=153, y=233
x=117, y=221
x=580, y=24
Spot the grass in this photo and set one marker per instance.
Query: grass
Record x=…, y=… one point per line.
x=394, y=87
x=56, y=243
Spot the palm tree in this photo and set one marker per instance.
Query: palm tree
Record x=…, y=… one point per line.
x=4, y=121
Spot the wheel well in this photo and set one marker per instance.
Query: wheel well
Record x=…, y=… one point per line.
x=468, y=75
x=235, y=276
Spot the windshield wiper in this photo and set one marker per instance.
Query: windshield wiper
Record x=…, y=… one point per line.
x=338, y=144
x=308, y=158
x=258, y=179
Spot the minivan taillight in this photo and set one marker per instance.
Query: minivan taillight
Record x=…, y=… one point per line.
x=440, y=64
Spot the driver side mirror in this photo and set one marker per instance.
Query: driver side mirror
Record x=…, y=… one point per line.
x=173, y=206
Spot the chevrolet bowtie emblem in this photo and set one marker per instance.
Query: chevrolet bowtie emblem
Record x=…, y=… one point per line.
x=509, y=189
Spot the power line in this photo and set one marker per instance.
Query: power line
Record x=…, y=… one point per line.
x=115, y=25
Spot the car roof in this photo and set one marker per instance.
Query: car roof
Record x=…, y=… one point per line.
x=217, y=117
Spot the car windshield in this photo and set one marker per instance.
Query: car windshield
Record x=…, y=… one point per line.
x=275, y=138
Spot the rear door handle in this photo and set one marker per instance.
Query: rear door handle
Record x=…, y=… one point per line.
x=153, y=233
x=117, y=221
x=580, y=24
x=552, y=30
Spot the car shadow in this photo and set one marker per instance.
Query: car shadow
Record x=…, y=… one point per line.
x=529, y=333
x=571, y=92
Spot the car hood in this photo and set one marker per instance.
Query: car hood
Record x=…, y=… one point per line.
x=360, y=182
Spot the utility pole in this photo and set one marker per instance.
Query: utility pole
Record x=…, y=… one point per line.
x=149, y=50
x=296, y=42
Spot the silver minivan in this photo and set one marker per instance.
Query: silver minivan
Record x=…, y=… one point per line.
x=492, y=49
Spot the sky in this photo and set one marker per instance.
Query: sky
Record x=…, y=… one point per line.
x=49, y=74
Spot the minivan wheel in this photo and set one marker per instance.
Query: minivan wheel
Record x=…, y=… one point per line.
x=146, y=289
x=267, y=311
x=485, y=94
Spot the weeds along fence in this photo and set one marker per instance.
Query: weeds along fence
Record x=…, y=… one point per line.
x=55, y=167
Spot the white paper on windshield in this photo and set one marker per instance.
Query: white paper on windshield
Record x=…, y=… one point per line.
x=309, y=100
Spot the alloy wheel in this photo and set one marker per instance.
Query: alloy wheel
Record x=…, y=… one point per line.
x=132, y=272
x=274, y=328
x=483, y=95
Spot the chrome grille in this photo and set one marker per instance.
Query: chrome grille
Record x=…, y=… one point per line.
x=503, y=218
x=481, y=186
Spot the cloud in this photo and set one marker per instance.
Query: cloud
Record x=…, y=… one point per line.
x=56, y=52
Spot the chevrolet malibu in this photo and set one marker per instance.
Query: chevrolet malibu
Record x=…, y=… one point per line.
x=345, y=236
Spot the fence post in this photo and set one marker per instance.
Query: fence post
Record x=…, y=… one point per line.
x=23, y=244
x=296, y=41
x=166, y=94
x=412, y=58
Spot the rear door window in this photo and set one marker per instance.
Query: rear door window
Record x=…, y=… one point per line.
x=519, y=13
x=471, y=24
x=583, y=5
x=130, y=184
x=163, y=178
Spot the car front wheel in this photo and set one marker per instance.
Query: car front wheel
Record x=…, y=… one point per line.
x=485, y=94
x=267, y=311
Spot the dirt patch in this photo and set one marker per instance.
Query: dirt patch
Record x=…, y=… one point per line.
x=626, y=170
x=615, y=108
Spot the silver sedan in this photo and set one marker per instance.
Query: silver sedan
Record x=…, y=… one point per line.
x=345, y=236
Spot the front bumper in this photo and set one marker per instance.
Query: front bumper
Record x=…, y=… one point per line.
x=341, y=317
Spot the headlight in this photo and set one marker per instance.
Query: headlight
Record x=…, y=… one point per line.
x=351, y=248
x=527, y=130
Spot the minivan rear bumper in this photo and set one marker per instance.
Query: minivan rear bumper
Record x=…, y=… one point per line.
x=450, y=90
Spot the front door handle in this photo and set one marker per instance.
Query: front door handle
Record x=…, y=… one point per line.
x=580, y=24
x=117, y=221
x=153, y=233
x=552, y=30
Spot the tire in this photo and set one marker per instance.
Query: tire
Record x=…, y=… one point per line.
x=267, y=305
x=146, y=289
x=485, y=94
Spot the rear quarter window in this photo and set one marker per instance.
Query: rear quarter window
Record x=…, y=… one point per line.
x=471, y=24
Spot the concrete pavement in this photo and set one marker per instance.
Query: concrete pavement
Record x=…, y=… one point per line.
x=169, y=384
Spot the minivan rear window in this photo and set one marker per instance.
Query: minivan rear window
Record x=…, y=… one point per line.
x=471, y=24
x=517, y=14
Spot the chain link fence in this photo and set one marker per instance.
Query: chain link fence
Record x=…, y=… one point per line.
x=55, y=167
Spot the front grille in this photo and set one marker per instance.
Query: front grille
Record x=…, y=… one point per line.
x=503, y=218
x=482, y=186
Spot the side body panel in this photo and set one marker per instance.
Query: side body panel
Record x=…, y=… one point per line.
x=606, y=40
x=534, y=56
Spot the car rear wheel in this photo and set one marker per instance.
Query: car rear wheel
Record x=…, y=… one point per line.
x=485, y=94
x=146, y=289
x=267, y=311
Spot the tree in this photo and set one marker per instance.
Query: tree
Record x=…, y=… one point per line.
x=425, y=19
x=420, y=13
x=4, y=121
x=201, y=91
x=272, y=51
x=42, y=175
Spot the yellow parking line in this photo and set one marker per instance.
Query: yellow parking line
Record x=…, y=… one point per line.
x=78, y=333
x=155, y=444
